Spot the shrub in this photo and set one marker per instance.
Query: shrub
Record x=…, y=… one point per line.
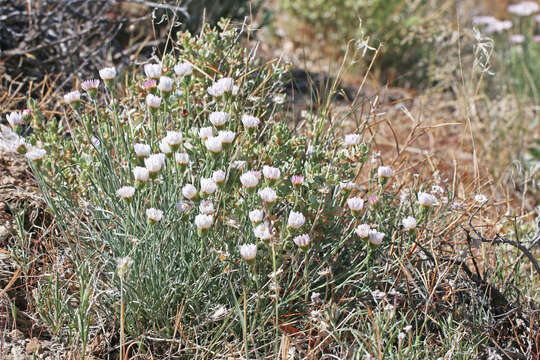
x=229, y=244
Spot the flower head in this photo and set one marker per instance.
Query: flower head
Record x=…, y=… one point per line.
x=375, y=237
x=122, y=266
x=238, y=164
x=218, y=176
x=256, y=216
x=107, y=74
x=15, y=119
x=302, y=241
x=426, y=199
x=165, y=84
x=248, y=251
x=173, y=138
x=153, y=102
x=480, y=198
x=250, y=122
x=516, y=38
x=213, y=144
x=352, y=139
x=181, y=158
x=141, y=174
x=153, y=71
x=142, y=150
x=72, y=98
x=268, y=195
x=189, y=191
x=262, y=231
x=206, y=132
x=409, y=223
x=271, y=173
x=524, y=8
x=221, y=86
x=165, y=148
x=498, y=26
x=206, y=207
x=36, y=154
x=203, y=222
x=297, y=180
x=385, y=172
x=183, y=69
x=346, y=185
x=362, y=231
x=90, y=86
x=296, y=220
x=218, y=118
x=249, y=180
x=208, y=186
x=355, y=204
x=154, y=163
x=154, y=215
x=126, y=192
x=226, y=137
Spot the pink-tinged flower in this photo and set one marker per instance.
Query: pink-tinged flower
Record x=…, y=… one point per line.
x=250, y=122
x=221, y=87
x=268, y=195
x=208, y=186
x=214, y=144
x=218, y=176
x=375, y=237
x=426, y=199
x=181, y=158
x=203, y=222
x=227, y=137
x=249, y=180
x=537, y=37
x=409, y=223
x=373, y=200
x=165, y=84
x=218, y=118
x=35, y=155
x=126, y=192
x=248, y=252
x=271, y=173
x=26, y=114
x=362, y=231
x=72, y=98
x=206, y=132
x=90, y=86
x=296, y=220
x=15, y=119
x=262, y=231
x=206, y=207
x=302, y=241
x=153, y=71
x=356, y=204
x=256, y=216
x=141, y=174
x=297, y=180
x=154, y=163
x=524, y=8
x=142, y=150
x=153, y=102
x=483, y=20
x=154, y=215
x=352, y=139
x=516, y=38
x=385, y=172
x=346, y=185
x=107, y=74
x=498, y=26
x=183, y=69
x=189, y=191
x=149, y=84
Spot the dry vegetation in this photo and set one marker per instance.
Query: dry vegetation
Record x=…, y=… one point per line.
x=475, y=278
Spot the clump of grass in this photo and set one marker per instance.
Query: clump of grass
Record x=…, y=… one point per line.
x=201, y=219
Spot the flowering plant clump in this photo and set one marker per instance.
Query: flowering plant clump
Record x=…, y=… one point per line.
x=224, y=219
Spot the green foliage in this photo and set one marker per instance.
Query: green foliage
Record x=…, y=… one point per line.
x=405, y=28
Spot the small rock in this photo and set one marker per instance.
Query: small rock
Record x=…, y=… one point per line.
x=33, y=347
